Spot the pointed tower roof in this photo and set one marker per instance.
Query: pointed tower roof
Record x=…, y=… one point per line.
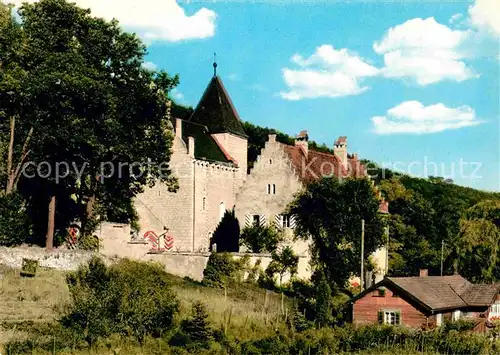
x=216, y=110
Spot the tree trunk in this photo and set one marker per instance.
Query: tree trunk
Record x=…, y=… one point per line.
x=13, y=175
x=51, y=223
x=89, y=214
x=10, y=154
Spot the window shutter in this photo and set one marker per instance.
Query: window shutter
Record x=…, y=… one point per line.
x=292, y=221
x=262, y=220
x=398, y=318
x=380, y=317
x=278, y=221
x=248, y=220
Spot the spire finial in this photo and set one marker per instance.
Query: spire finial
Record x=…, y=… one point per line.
x=215, y=64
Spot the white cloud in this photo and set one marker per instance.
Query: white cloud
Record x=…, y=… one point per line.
x=149, y=65
x=327, y=73
x=425, y=51
x=151, y=19
x=415, y=118
x=455, y=18
x=485, y=15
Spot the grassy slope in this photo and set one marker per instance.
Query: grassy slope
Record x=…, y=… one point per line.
x=38, y=299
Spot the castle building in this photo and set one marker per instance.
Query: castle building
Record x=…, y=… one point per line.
x=209, y=158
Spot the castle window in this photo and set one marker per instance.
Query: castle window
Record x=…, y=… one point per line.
x=204, y=203
x=274, y=189
x=270, y=161
x=285, y=221
x=256, y=220
x=268, y=189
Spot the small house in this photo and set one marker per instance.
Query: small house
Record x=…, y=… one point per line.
x=426, y=301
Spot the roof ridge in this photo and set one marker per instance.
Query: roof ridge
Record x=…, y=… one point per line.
x=459, y=296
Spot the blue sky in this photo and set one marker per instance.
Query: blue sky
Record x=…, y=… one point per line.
x=409, y=83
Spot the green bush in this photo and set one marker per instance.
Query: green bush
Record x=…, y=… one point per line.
x=130, y=298
x=220, y=270
x=260, y=239
x=15, y=225
x=459, y=325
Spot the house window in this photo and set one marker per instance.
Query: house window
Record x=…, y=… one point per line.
x=256, y=220
x=389, y=317
x=456, y=315
x=439, y=319
x=495, y=310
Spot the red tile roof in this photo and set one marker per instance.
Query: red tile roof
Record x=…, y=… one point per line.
x=311, y=166
x=316, y=165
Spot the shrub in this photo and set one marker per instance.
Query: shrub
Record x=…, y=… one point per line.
x=260, y=239
x=459, y=325
x=15, y=225
x=131, y=298
x=220, y=270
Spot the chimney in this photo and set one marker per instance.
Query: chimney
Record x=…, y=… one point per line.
x=272, y=138
x=302, y=141
x=178, y=127
x=424, y=272
x=191, y=147
x=340, y=149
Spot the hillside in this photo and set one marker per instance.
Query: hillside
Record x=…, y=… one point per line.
x=39, y=300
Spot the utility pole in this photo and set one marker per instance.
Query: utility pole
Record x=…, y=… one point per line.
x=387, y=251
x=362, y=278
x=442, y=255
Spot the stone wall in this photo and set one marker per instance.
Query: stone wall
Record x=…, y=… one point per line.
x=115, y=242
x=271, y=168
x=206, y=190
x=157, y=207
x=68, y=260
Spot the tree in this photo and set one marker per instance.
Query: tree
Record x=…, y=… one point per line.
x=227, y=233
x=282, y=263
x=260, y=239
x=323, y=301
x=89, y=103
x=198, y=328
x=330, y=211
x=478, y=242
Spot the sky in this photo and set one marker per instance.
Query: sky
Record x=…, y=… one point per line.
x=414, y=85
